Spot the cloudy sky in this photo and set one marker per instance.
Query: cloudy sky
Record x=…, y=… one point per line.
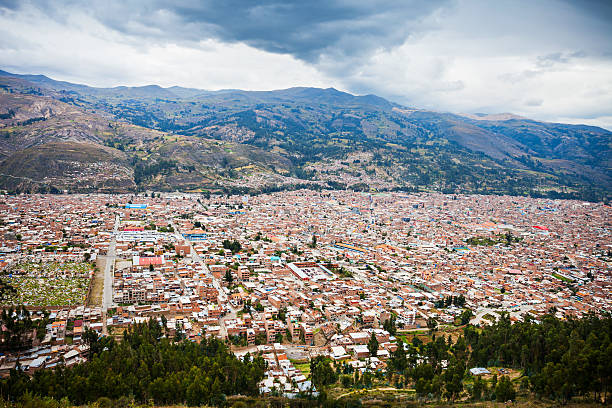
x=545, y=59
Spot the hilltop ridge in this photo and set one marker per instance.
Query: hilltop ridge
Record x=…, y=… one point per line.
x=301, y=136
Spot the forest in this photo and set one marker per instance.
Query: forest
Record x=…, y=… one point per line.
x=553, y=359
x=144, y=366
x=18, y=327
x=559, y=360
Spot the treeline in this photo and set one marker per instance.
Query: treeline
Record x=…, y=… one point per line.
x=558, y=360
x=506, y=239
x=18, y=329
x=561, y=358
x=143, y=171
x=147, y=367
x=233, y=246
x=458, y=301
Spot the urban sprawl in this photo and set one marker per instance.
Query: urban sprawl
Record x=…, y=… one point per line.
x=294, y=275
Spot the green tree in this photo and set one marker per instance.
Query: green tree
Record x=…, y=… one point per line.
x=432, y=323
x=322, y=372
x=313, y=243
x=228, y=276
x=465, y=316
x=477, y=389
x=398, y=361
x=390, y=325
x=373, y=345
x=346, y=381
x=504, y=391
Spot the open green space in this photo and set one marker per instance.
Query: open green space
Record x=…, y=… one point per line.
x=48, y=284
x=47, y=291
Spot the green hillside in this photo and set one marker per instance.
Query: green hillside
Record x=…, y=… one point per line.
x=243, y=141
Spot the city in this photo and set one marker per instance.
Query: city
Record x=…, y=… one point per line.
x=295, y=275
x=289, y=204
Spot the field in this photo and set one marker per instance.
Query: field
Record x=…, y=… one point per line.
x=303, y=367
x=563, y=278
x=48, y=284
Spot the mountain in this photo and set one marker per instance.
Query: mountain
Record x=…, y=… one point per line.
x=246, y=141
x=47, y=145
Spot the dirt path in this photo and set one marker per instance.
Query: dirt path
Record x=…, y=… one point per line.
x=374, y=390
x=97, y=285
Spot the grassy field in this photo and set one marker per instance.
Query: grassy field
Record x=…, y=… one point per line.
x=563, y=278
x=47, y=291
x=49, y=284
x=303, y=367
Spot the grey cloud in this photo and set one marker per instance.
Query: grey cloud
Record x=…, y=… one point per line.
x=451, y=86
x=543, y=63
x=601, y=9
x=534, y=102
x=461, y=55
x=549, y=60
x=9, y=4
x=578, y=54
x=516, y=77
x=305, y=29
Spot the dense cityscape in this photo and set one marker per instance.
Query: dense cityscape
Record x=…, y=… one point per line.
x=289, y=204
x=293, y=276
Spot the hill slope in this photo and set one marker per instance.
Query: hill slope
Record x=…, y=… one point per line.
x=47, y=145
x=324, y=137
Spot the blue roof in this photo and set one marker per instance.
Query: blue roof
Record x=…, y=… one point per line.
x=140, y=206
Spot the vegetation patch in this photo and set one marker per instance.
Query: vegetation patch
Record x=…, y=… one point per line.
x=48, y=284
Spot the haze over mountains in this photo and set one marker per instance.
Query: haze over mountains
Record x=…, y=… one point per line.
x=58, y=136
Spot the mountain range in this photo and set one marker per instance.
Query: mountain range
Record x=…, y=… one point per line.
x=59, y=136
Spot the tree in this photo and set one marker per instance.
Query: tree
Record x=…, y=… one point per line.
x=142, y=367
x=398, y=361
x=233, y=246
x=453, y=379
x=228, y=277
x=465, y=316
x=432, y=323
x=282, y=314
x=322, y=372
x=505, y=390
x=260, y=338
x=179, y=335
x=477, y=389
x=313, y=243
x=90, y=337
x=390, y=326
x=6, y=290
x=373, y=345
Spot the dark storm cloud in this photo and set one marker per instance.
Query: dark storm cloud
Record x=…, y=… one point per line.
x=304, y=29
x=601, y=9
x=9, y=4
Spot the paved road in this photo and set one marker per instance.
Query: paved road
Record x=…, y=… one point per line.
x=231, y=315
x=107, y=297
